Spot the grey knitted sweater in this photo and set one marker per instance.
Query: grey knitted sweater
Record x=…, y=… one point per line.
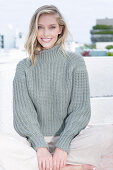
x=51, y=98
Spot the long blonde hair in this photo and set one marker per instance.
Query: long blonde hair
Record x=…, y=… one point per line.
x=32, y=45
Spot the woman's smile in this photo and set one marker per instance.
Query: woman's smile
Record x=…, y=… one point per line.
x=46, y=40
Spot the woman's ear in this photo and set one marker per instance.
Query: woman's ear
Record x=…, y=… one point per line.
x=60, y=29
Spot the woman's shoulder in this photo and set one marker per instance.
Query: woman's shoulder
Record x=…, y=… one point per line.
x=75, y=58
x=24, y=63
x=21, y=68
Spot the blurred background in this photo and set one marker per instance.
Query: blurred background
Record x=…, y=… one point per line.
x=90, y=23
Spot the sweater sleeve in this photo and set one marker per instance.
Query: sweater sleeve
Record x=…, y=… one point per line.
x=79, y=109
x=24, y=113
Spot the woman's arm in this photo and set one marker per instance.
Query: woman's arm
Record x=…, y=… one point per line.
x=79, y=109
x=24, y=113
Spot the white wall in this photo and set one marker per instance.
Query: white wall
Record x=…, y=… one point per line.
x=102, y=45
x=100, y=71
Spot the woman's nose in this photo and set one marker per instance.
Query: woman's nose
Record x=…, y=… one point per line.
x=46, y=32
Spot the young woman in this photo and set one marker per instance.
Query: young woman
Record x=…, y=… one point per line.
x=51, y=100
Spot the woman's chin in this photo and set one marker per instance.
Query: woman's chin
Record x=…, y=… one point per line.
x=47, y=45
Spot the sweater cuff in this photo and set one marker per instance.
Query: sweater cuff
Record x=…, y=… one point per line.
x=64, y=143
x=38, y=143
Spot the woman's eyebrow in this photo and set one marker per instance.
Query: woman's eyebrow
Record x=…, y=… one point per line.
x=49, y=25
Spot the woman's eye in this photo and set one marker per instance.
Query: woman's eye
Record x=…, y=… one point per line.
x=39, y=27
x=52, y=27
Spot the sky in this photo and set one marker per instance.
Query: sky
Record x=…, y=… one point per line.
x=80, y=15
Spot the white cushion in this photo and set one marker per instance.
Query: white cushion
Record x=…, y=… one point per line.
x=101, y=111
x=100, y=70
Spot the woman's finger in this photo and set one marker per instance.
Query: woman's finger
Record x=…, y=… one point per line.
x=47, y=165
x=61, y=164
x=54, y=165
x=39, y=164
x=64, y=163
x=58, y=163
x=50, y=164
x=43, y=165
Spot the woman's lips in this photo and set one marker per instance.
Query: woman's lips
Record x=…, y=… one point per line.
x=46, y=39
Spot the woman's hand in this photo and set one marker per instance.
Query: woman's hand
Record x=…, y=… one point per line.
x=44, y=159
x=59, y=159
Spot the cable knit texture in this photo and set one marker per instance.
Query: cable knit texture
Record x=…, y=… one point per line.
x=51, y=98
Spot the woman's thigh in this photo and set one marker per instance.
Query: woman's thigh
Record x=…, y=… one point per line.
x=17, y=154
x=91, y=144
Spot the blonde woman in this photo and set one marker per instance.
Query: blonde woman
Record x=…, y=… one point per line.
x=51, y=98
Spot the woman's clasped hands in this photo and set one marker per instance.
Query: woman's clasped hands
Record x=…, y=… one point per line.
x=46, y=161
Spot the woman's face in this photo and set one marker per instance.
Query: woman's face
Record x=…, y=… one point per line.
x=48, y=30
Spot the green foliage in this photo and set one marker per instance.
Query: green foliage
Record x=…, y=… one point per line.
x=90, y=46
x=109, y=53
x=102, y=27
x=104, y=32
x=109, y=47
x=102, y=39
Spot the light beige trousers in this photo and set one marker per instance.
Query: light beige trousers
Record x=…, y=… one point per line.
x=88, y=147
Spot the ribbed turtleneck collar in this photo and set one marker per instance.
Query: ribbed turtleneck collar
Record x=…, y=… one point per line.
x=52, y=49
x=50, y=54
